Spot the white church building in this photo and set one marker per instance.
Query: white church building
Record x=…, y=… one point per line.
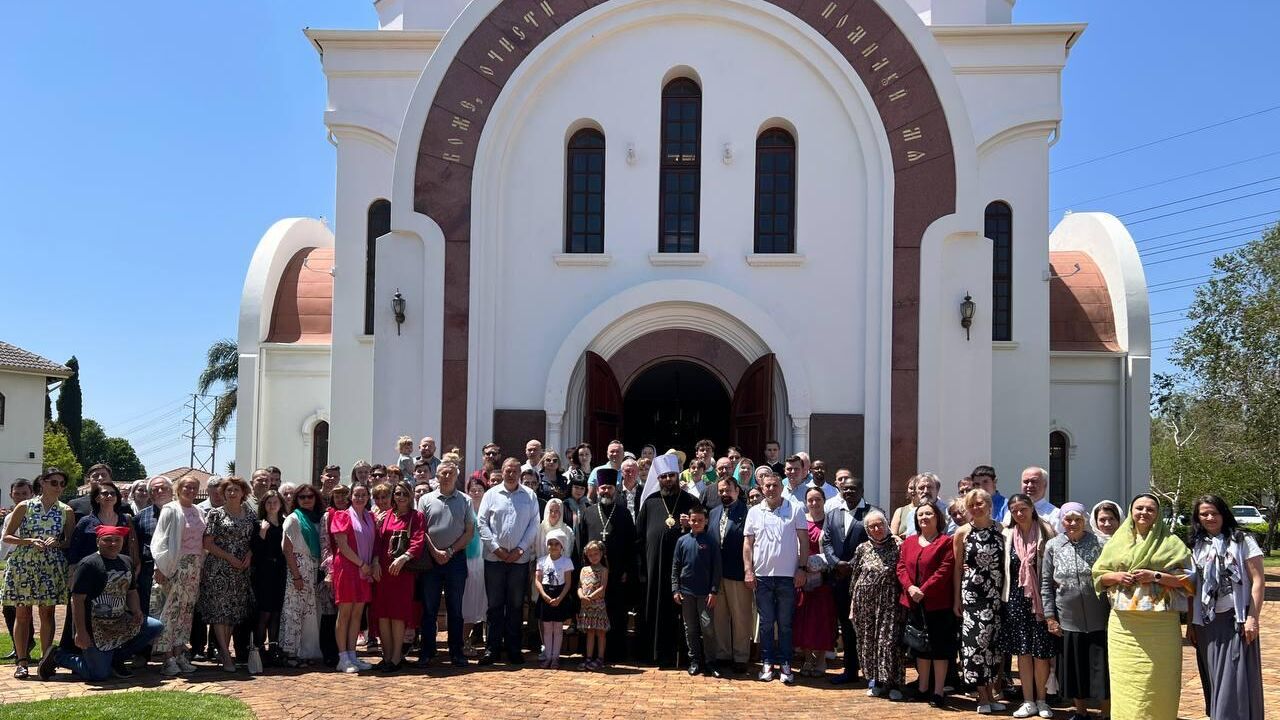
x=817, y=221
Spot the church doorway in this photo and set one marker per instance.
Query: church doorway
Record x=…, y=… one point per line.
x=674, y=404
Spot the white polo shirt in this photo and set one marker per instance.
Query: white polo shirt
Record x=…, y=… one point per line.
x=776, y=548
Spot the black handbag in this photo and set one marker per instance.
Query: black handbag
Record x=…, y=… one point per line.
x=915, y=634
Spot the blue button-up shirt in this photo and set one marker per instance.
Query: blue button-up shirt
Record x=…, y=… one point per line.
x=508, y=519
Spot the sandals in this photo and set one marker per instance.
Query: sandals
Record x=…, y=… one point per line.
x=21, y=672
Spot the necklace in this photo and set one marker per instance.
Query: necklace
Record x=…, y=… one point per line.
x=604, y=534
x=671, y=511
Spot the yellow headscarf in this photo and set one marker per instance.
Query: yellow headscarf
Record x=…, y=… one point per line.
x=1160, y=550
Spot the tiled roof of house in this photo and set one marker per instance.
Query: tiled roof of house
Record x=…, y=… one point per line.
x=183, y=473
x=13, y=357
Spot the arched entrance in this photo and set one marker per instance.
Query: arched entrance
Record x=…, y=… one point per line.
x=673, y=404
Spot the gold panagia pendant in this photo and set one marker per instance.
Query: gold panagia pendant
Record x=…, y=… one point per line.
x=671, y=522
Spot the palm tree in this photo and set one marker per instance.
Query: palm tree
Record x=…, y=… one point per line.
x=222, y=366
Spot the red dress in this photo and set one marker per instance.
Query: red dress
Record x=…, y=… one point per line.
x=814, y=627
x=348, y=586
x=393, y=594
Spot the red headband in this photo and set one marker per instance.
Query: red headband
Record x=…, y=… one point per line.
x=121, y=531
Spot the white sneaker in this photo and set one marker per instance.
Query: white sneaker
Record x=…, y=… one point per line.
x=170, y=668
x=1026, y=710
x=1045, y=710
x=786, y=676
x=766, y=673
x=984, y=709
x=184, y=664
x=347, y=667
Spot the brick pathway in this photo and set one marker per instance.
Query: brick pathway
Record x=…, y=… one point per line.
x=622, y=692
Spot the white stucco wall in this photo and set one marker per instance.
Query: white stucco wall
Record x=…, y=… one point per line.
x=1087, y=401
x=294, y=397
x=22, y=433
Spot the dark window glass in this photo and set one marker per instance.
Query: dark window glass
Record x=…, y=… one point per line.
x=319, y=451
x=379, y=224
x=1, y=410
x=999, y=227
x=680, y=171
x=1059, y=473
x=584, y=193
x=775, y=192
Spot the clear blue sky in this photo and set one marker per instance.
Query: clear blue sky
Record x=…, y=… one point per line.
x=148, y=149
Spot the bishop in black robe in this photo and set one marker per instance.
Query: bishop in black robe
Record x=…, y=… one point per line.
x=663, y=636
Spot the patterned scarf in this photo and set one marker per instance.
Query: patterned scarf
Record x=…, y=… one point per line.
x=1026, y=545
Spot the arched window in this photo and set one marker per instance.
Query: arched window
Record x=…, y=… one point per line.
x=680, y=167
x=319, y=450
x=775, y=192
x=379, y=224
x=1059, y=477
x=999, y=227
x=584, y=192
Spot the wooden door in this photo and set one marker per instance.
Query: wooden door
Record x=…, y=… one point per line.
x=752, y=408
x=604, y=405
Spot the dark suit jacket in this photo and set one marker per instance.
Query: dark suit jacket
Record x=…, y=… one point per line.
x=838, y=544
x=731, y=567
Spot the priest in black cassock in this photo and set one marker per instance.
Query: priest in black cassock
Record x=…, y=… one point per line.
x=658, y=526
x=608, y=521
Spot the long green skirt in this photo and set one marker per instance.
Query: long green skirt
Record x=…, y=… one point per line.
x=1145, y=650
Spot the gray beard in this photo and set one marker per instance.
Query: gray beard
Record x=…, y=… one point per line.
x=666, y=492
x=606, y=501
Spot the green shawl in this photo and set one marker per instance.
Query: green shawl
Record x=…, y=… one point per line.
x=1160, y=550
x=309, y=533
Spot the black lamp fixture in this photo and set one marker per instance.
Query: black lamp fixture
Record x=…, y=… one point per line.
x=967, y=308
x=397, y=307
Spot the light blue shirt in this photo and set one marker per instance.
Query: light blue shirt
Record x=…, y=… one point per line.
x=591, y=479
x=508, y=520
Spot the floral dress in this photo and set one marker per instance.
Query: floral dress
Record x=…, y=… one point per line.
x=592, y=614
x=34, y=576
x=981, y=587
x=300, y=616
x=1021, y=633
x=878, y=616
x=226, y=594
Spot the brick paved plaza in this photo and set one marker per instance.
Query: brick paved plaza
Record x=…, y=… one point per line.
x=628, y=692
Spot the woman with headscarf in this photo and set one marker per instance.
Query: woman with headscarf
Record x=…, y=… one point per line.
x=745, y=474
x=1025, y=633
x=1105, y=519
x=1146, y=572
x=873, y=607
x=1230, y=585
x=553, y=519
x=1075, y=613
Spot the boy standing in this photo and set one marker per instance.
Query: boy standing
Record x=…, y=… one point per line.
x=695, y=580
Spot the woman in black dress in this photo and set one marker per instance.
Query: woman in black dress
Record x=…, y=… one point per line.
x=269, y=572
x=979, y=586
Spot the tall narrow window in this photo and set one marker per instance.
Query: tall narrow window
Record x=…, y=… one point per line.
x=999, y=227
x=379, y=224
x=775, y=192
x=1, y=409
x=1059, y=473
x=319, y=450
x=680, y=173
x=584, y=193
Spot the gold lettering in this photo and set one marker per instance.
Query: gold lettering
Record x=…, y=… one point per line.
x=831, y=8
x=888, y=79
x=495, y=56
x=866, y=52
x=452, y=157
x=531, y=19
x=468, y=105
x=546, y=8
x=461, y=123
x=909, y=134
x=883, y=62
x=454, y=141
x=515, y=30
x=843, y=19
x=897, y=95
x=914, y=155
x=506, y=44
x=856, y=36
x=486, y=70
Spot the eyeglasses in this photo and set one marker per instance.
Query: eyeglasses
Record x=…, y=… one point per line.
x=56, y=483
x=109, y=495
x=377, y=474
x=300, y=498
x=492, y=453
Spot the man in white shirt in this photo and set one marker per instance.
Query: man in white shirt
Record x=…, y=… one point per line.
x=629, y=489
x=927, y=486
x=775, y=551
x=533, y=457
x=817, y=478
x=1035, y=485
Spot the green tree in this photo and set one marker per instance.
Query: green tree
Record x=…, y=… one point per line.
x=117, y=452
x=57, y=453
x=93, y=443
x=1231, y=354
x=222, y=368
x=71, y=407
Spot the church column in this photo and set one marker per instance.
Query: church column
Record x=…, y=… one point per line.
x=800, y=434
x=555, y=427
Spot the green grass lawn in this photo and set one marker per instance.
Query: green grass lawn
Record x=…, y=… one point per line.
x=6, y=645
x=143, y=705
x=1271, y=561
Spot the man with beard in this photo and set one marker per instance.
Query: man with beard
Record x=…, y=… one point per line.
x=842, y=532
x=608, y=521
x=734, y=615
x=658, y=527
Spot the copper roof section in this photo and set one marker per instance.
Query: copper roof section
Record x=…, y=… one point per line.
x=1080, y=312
x=303, y=310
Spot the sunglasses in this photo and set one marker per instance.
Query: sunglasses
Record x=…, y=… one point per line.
x=378, y=475
x=110, y=495
x=667, y=475
x=304, y=497
x=56, y=483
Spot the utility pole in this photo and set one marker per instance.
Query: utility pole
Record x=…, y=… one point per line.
x=202, y=441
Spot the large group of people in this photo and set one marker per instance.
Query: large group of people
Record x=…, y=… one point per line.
x=698, y=563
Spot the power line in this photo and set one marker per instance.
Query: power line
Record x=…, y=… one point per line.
x=1170, y=312
x=139, y=416
x=1203, y=227
x=1197, y=197
x=1181, y=280
x=139, y=427
x=1166, y=182
x=1241, y=231
x=1176, y=287
x=1201, y=207
x=1175, y=136
x=1182, y=245
x=1194, y=254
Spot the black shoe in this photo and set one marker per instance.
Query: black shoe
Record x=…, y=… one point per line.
x=517, y=659
x=424, y=661
x=459, y=661
x=48, y=665
x=694, y=668
x=843, y=678
x=388, y=668
x=119, y=669
x=382, y=665
x=739, y=668
x=713, y=672
x=487, y=659
x=937, y=701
